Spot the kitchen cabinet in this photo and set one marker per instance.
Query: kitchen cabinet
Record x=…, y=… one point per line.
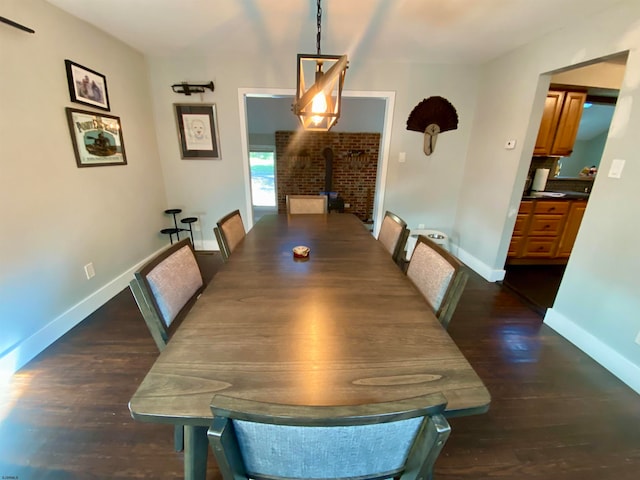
x=545, y=231
x=559, y=124
x=520, y=228
x=572, y=225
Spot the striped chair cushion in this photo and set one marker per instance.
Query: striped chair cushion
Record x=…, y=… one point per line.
x=174, y=281
x=389, y=234
x=430, y=273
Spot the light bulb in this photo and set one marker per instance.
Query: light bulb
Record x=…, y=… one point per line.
x=319, y=105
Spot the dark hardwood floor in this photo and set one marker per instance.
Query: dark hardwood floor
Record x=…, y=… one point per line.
x=555, y=413
x=536, y=285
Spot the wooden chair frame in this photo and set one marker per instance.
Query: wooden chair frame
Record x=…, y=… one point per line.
x=324, y=198
x=427, y=445
x=221, y=238
x=401, y=242
x=150, y=310
x=456, y=284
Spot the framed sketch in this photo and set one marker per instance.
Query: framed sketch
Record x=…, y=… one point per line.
x=96, y=137
x=198, y=131
x=87, y=86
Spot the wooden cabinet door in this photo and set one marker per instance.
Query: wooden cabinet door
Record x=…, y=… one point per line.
x=574, y=219
x=549, y=123
x=568, y=124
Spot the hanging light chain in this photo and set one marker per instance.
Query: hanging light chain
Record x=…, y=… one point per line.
x=319, y=20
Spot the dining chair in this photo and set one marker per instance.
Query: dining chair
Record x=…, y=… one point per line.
x=307, y=204
x=165, y=289
x=393, y=235
x=439, y=276
x=229, y=233
x=373, y=441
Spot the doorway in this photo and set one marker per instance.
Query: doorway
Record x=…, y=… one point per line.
x=273, y=107
x=538, y=283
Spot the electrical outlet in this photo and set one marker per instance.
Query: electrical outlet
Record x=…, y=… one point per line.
x=510, y=145
x=421, y=226
x=89, y=270
x=196, y=226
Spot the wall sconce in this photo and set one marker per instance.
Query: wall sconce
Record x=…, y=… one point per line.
x=318, y=107
x=189, y=88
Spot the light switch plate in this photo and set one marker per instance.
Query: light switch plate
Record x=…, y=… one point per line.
x=616, y=168
x=402, y=157
x=89, y=270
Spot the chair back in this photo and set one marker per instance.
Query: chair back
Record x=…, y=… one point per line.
x=166, y=287
x=439, y=276
x=273, y=441
x=307, y=204
x=230, y=233
x=393, y=235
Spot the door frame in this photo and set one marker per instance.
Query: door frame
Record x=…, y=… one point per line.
x=389, y=98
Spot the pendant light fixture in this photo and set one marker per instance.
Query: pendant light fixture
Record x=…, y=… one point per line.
x=318, y=107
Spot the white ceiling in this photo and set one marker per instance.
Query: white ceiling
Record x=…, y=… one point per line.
x=448, y=31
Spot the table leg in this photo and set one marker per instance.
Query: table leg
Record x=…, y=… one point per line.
x=196, y=449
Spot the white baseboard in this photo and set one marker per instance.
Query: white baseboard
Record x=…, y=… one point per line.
x=618, y=365
x=28, y=348
x=482, y=269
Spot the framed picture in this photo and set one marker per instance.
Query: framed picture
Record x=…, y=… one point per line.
x=96, y=137
x=87, y=86
x=198, y=131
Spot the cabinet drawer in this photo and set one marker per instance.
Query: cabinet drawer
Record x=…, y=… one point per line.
x=525, y=206
x=552, y=208
x=540, y=247
x=521, y=224
x=546, y=225
x=515, y=246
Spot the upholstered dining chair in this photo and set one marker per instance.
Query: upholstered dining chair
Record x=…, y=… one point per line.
x=266, y=441
x=393, y=236
x=439, y=276
x=165, y=289
x=307, y=204
x=229, y=233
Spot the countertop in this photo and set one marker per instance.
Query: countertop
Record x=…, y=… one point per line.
x=555, y=196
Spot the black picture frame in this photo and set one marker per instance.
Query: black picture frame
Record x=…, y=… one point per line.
x=96, y=138
x=87, y=86
x=198, y=131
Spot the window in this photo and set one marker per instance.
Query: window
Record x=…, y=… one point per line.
x=262, y=166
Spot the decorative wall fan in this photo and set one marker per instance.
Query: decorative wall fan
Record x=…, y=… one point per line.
x=432, y=116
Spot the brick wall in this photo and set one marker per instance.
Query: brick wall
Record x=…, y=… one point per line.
x=300, y=167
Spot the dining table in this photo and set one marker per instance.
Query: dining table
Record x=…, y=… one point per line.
x=341, y=326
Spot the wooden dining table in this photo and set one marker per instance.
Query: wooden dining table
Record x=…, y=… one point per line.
x=344, y=326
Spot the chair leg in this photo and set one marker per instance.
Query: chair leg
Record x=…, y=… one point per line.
x=178, y=438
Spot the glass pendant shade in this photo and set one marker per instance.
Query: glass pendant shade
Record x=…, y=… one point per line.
x=318, y=106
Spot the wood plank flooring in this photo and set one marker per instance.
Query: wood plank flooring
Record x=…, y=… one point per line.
x=555, y=413
x=537, y=285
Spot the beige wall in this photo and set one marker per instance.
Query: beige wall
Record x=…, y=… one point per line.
x=424, y=190
x=56, y=217
x=597, y=305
